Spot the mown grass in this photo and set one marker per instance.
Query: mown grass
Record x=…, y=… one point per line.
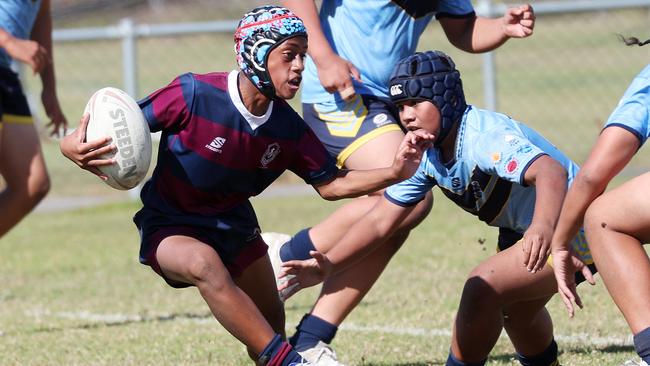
x=74, y=294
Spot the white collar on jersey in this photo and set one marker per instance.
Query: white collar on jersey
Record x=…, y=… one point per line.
x=253, y=120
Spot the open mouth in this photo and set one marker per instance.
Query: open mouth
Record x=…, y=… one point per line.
x=295, y=82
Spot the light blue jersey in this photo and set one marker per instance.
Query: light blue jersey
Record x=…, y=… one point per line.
x=374, y=35
x=486, y=178
x=17, y=18
x=632, y=110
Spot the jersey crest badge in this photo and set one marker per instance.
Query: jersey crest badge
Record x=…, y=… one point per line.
x=272, y=151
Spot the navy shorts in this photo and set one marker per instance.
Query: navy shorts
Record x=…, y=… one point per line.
x=13, y=103
x=238, y=243
x=508, y=238
x=345, y=126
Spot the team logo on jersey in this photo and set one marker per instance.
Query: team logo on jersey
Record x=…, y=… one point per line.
x=272, y=151
x=524, y=149
x=455, y=182
x=216, y=144
x=512, y=165
x=512, y=140
x=396, y=89
x=380, y=119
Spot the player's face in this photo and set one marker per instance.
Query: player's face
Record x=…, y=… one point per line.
x=285, y=65
x=420, y=115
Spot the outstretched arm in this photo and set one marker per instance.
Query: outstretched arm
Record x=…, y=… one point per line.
x=334, y=72
x=42, y=34
x=354, y=183
x=614, y=148
x=480, y=34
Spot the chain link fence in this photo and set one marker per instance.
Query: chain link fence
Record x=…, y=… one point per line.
x=563, y=81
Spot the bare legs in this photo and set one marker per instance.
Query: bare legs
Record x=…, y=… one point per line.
x=248, y=307
x=342, y=292
x=617, y=224
x=501, y=293
x=23, y=169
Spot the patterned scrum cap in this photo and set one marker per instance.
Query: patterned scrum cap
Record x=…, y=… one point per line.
x=431, y=76
x=258, y=32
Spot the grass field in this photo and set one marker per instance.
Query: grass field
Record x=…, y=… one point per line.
x=74, y=294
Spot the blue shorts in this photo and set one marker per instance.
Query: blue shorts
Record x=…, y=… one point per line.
x=237, y=242
x=344, y=126
x=13, y=103
x=508, y=238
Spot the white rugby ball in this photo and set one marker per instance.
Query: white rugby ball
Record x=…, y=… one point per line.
x=114, y=113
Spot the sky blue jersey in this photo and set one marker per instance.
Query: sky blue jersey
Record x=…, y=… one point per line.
x=632, y=110
x=486, y=178
x=374, y=35
x=17, y=18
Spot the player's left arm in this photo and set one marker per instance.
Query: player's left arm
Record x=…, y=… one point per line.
x=479, y=34
x=42, y=34
x=550, y=180
x=354, y=183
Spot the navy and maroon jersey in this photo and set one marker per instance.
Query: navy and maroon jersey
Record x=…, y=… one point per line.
x=214, y=154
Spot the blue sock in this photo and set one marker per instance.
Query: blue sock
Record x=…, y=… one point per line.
x=642, y=344
x=298, y=247
x=310, y=330
x=546, y=358
x=453, y=361
x=278, y=353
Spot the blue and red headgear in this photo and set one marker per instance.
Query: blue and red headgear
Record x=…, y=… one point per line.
x=258, y=32
x=431, y=76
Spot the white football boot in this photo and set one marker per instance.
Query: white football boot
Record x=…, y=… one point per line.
x=275, y=241
x=321, y=355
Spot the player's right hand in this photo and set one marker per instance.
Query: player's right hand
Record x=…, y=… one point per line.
x=307, y=273
x=87, y=155
x=29, y=52
x=565, y=264
x=336, y=73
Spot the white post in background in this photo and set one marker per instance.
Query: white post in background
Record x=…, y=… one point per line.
x=130, y=71
x=485, y=8
x=129, y=57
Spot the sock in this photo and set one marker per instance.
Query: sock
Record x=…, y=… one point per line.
x=298, y=247
x=546, y=358
x=310, y=330
x=453, y=361
x=278, y=353
x=642, y=344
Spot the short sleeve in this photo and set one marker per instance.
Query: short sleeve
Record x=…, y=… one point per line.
x=454, y=9
x=411, y=191
x=506, y=152
x=632, y=110
x=169, y=107
x=312, y=162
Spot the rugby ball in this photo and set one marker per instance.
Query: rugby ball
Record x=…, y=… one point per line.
x=114, y=113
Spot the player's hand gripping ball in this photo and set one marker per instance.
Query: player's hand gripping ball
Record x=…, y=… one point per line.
x=114, y=113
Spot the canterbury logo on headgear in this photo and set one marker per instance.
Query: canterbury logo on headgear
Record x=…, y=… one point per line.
x=396, y=90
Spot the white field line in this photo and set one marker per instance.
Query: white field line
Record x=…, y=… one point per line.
x=575, y=338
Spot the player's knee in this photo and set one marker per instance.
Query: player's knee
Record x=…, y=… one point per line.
x=481, y=286
x=203, y=272
x=38, y=188
x=596, y=216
